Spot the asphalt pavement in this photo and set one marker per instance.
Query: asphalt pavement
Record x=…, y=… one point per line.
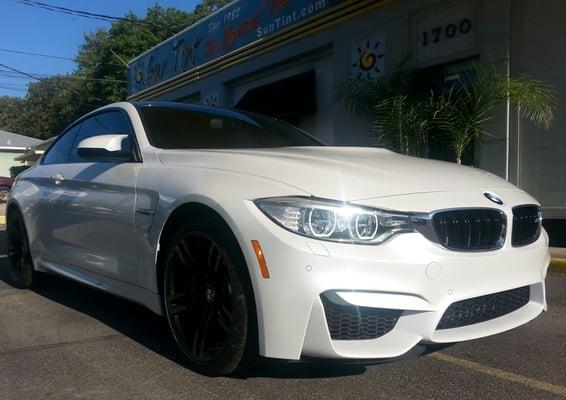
x=65, y=341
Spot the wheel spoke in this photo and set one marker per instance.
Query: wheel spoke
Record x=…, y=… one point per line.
x=184, y=255
x=225, y=325
x=214, y=257
x=200, y=337
x=178, y=303
x=225, y=312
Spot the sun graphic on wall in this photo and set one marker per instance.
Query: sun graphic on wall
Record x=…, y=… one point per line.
x=139, y=75
x=368, y=59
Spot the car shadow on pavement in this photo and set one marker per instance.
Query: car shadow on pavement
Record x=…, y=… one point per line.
x=151, y=330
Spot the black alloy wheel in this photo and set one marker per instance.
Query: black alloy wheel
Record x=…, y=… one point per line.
x=19, y=256
x=208, y=301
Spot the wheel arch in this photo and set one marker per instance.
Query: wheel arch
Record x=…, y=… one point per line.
x=184, y=211
x=11, y=208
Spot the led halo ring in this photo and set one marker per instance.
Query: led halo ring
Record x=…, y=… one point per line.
x=367, y=237
x=331, y=231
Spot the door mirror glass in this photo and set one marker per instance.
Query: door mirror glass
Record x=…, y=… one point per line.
x=105, y=148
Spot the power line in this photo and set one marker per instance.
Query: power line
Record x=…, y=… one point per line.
x=28, y=53
x=80, y=13
x=13, y=89
x=14, y=84
x=7, y=74
x=15, y=73
x=37, y=54
x=91, y=15
x=20, y=72
x=43, y=80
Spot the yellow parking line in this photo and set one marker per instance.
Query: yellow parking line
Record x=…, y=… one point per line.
x=558, y=265
x=501, y=374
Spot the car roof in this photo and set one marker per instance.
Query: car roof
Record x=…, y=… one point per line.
x=223, y=112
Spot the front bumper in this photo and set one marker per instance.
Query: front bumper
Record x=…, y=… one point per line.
x=407, y=273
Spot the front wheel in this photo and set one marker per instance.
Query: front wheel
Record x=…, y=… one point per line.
x=208, y=298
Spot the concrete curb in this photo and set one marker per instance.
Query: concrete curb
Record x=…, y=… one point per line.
x=558, y=265
x=558, y=261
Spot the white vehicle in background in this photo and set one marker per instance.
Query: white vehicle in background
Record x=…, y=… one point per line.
x=255, y=239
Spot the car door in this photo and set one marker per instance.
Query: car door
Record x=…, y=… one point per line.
x=42, y=195
x=92, y=212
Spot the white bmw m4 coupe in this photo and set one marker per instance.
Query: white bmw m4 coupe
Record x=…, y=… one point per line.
x=254, y=239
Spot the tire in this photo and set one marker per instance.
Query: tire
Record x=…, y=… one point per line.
x=20, y=262
x=208, y=298
x=4, y=194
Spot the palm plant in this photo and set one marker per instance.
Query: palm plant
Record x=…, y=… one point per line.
x=402, y=123
x=464, y=112
x=400, y=119
x=403, y=118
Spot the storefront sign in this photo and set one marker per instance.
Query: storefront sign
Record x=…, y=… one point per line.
x=445, y=32
x=239, y=24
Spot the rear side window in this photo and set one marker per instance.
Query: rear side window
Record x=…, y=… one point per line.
x=59, y=152
x=107, y=123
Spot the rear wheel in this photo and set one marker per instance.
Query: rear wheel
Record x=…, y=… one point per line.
x=208, y=298
x=19, y=257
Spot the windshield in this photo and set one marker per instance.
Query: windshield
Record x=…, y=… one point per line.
x=190, y=128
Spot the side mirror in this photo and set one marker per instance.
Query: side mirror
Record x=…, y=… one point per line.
x=104, y=148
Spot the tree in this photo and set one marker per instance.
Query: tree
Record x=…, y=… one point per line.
x=105, y=53
x=207, y=7
x=9, y=113
x=100, y=77
x=49, y=106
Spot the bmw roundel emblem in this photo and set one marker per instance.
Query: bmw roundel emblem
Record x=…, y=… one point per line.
x=492, y=197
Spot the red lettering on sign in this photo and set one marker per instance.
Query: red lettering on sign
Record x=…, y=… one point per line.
x=244, y=27
x=276, y=5
x=211, y=47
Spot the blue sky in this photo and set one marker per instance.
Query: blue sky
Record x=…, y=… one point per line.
x=35, y=30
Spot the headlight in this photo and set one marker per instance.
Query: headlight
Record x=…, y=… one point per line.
x=334, y=221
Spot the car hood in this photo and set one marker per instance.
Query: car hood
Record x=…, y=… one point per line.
x=342, y=173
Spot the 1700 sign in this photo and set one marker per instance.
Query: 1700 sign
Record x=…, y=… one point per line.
x=450, y=31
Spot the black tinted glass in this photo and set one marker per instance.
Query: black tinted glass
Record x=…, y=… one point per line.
x=59, y=152
x=107, y=123
x=177, y=128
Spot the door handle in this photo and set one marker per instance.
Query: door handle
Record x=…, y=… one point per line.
x=57, y=178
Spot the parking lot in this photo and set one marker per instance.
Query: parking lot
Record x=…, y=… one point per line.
x=63, y=340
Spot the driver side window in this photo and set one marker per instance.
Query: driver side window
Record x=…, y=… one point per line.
x=106, y=123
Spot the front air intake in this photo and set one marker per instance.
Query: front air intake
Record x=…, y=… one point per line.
x=484, y=308
x=349, y=322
